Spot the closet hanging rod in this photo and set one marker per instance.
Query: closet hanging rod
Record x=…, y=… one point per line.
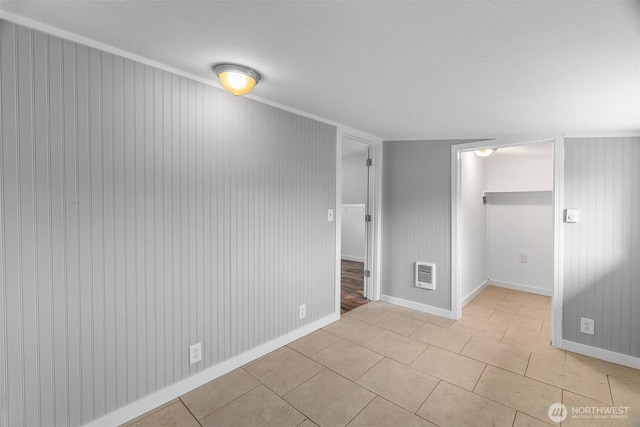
x=486, y=194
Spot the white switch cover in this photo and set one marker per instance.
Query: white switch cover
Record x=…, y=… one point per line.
x=571, y=215
x=330, y=215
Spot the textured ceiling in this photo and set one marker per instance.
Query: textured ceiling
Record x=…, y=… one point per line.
x=396, y=69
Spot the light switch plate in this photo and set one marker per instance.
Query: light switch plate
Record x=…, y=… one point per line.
x=571, y=215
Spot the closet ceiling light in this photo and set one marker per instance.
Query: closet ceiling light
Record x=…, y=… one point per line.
x=237, y=79
x=485, y=152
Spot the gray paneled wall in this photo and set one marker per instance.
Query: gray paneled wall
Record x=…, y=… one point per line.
x=143, y=212
x=602, y=250
x=417, y=218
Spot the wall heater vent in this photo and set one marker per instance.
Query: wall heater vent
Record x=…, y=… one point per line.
x=425, y=275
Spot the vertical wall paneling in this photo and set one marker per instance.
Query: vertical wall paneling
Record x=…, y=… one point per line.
x=602, y=250
x=4, y=397
x=417, y=218
x=141, y=212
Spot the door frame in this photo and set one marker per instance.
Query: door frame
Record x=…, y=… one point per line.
x=558, y=188
x=373, y=290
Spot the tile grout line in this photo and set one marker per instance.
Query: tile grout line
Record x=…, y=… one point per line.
x=231, y=401
x=364, y=407
x=528, y=362
x=189, y=410
x=465, y=346
x=370, y=368
x=504, y=404
x=427, y=398
x=587, y=397
x=303, y=382
x=473, y=390
x=610, y=391
x=416, y=358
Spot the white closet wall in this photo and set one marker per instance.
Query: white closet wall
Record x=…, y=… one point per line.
x=473, y=224
x=354, y=198
x=520, y=223
x=353, y=232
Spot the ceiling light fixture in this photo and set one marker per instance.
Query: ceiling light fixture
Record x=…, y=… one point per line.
x=485, y=152
x=237, y=79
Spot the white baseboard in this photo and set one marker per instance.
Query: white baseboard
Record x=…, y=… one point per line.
x=466, y=300
x=352, y=258
x=522, y=288
x=147, y=403
x=600, y=353
x=418, y=306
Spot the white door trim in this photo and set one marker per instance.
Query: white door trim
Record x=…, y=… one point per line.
x=375, y=209
x=558, y=241
x=558, y=179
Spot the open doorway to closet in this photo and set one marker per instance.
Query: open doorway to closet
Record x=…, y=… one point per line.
x=505, y=231
x=355, y=230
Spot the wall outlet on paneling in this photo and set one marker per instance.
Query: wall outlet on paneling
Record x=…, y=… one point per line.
x=303, y=311
x=523, y=258
x=195, y=353
x=587, y=326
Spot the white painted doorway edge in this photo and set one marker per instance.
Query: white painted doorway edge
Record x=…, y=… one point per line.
x=375, y=198
x=558, y=187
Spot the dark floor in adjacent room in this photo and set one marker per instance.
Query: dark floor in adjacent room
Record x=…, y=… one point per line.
x=352, y=286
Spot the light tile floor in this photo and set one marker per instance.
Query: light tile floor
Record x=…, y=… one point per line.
x=383, y=365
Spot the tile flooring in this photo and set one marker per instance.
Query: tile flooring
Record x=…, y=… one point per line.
x=384, y=365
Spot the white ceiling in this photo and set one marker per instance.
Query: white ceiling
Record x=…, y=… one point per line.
x=396, y=69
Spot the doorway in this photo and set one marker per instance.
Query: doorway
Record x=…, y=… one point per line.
x=355, y=224
x=505, y=222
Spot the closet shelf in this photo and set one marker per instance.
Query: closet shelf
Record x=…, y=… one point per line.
x=488, y=194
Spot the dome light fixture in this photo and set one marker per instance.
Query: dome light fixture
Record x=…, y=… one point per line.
x=237, y=79
x=485, y=152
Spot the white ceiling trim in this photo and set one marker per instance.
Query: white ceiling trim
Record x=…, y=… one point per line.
x=66, y=35
x=511, y=141
x=628, y=134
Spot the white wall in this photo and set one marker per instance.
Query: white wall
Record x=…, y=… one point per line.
x=353, y=232
x=520, y=223
x=354, y=179
x=354, y=192
x=519, y=174
x=473, y=225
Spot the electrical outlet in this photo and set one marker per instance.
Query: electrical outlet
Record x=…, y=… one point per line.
x=587, y=326
x=330, y=215
x=303, y=311
x=195, y=353
x=523, y=258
